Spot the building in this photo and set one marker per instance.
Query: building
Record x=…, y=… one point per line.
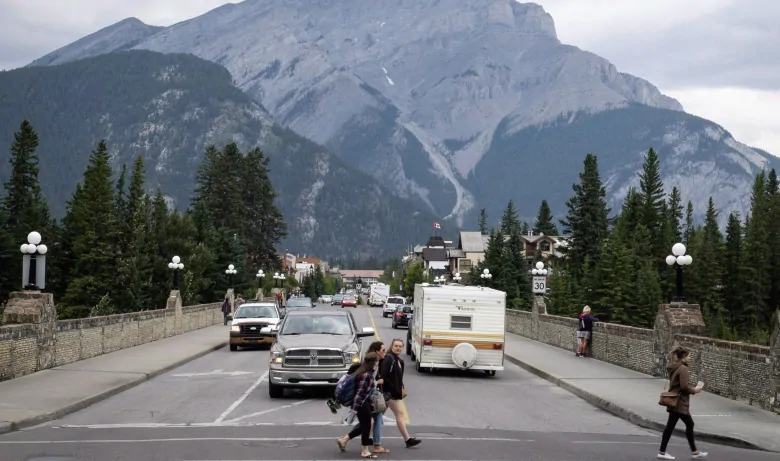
x=366, y=277
x=288, y=263
x=434, y=256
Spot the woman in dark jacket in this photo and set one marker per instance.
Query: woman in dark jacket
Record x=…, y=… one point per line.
x=679, y=382
x=392, y=372
x=361, y=404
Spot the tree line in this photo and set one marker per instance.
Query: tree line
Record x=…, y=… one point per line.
x=110, y=251
x=615, y=262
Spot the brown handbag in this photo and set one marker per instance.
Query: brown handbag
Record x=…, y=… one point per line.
x=669, y=399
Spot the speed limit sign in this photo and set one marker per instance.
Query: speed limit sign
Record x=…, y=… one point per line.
x=540, y=285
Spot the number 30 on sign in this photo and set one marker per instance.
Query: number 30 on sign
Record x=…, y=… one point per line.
x=540, y=285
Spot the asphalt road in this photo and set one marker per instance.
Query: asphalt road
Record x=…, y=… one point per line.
x=217, y=408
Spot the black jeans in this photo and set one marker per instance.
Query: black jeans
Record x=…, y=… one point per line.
x=364, y=424
x=671, y=423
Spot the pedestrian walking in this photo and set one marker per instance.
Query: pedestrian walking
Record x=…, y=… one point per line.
x=225, y=309
x=678, y=400
x=378, y=348
x=585, y=331
x=361, y=404
x=392, y=372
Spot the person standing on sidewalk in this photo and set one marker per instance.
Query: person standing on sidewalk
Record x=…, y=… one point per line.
x=679, y=382
x=225, y=309
x=585, y=331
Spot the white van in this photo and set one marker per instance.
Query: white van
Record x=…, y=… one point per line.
x=458, y=327
x=392, y=304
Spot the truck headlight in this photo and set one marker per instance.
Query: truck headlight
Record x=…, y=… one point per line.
x=352, y=354
x=235, y=328
x=277, y=354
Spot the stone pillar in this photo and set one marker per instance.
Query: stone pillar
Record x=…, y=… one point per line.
x=174, y=304
x=38, y=308
x=260, y=296
x=774, y=370
x=231, y=297
x=672, y=319
x=538, y=307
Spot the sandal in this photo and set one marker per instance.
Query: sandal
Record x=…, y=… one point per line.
x=342, y=446
x=369, y=456
x=381, y=450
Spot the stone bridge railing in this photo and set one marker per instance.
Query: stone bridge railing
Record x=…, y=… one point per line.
x=43, y=342
x=736, y=370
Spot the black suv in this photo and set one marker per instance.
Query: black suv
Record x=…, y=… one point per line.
x=402, y=315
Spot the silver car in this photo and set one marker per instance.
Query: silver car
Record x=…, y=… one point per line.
x=314, y=349
x=253, y=324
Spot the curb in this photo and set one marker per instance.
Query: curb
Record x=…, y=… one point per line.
x=12, y=426
x=629, y=415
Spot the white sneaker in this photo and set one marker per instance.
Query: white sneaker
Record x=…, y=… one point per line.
x=665, y=456
x=699, y=455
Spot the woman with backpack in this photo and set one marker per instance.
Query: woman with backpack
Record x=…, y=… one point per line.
x=378, y=348
x=392, y=373
x=361, y=403
x=585, y=331
x=679, y=405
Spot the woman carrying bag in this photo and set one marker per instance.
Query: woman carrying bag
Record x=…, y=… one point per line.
x=677, y=401
x=392, y=372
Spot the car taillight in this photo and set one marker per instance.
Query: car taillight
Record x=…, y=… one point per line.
x=398, y=314
x=498, y=346
x=427, y=342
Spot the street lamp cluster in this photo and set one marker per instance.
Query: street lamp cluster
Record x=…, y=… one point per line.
x=486, y=275
x=678, y=258
x=175, y=265
x=457, y=278
x=278, y=279
x=30, y=249
x=539, y=269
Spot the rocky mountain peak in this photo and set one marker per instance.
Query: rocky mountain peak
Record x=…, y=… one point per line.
x=531, y=18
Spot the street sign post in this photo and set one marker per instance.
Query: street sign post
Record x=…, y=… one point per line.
x=540, y=285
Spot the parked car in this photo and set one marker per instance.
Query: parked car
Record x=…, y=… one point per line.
x=336, y=301
x=349, y=301
x=392, y=304
x=402, y=316
x=314, y=349
x=253, y=325
x=325, y=299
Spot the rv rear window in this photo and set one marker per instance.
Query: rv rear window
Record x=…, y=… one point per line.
x=460, y=322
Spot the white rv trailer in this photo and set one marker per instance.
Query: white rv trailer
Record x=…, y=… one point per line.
x=458, y=327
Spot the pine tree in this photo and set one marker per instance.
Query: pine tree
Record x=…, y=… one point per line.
x=756, y=257
x=494, y=260
x=23, y=209
x=509, y=220
x=675, y=213
x=652, y=191
x=733, y=283
x=544, y=221
x=689, y=228
x=94, y=231
x=708, y=265
x=482, y=223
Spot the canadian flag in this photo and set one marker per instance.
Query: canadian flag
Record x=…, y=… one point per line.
x=436, y=225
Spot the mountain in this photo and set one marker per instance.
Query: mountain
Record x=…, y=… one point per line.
x=456, y=104
x=169, y=108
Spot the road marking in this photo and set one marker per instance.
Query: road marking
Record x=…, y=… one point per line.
x=245, y=439
x=373, y=324
x=214, y=373
x=158, y=425
x=241, y=399
x=265, y=412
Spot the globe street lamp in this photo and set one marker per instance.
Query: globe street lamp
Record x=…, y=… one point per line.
x=31, y=261
x=486, y=275
x=278, y=279
x=175, y=265
x=456, y=278
x=437, y=279
x=678, y=258
x=231, y=271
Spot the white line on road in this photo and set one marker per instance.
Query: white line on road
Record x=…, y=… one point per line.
x=241, y=399
x=265, y=412
x=244, y=439
x=157, y=425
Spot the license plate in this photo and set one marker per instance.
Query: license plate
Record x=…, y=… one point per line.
x=427, y=348
x=408, y=316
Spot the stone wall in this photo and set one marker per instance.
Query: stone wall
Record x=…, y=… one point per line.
x=739, y=371
x=27, y=348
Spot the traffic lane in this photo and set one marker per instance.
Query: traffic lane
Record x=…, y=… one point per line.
x=197, y=392
x=300, y=443
x=513, y=399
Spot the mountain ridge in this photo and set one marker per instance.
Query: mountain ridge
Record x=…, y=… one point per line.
x=432, y=82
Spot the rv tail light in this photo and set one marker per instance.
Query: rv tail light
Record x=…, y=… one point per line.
x=498, y=346
x=427, y=342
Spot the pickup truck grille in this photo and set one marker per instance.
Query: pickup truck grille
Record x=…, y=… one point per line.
x=313, y=358
x=248, y=328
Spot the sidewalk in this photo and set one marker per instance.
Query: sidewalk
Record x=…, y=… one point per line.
x=50, y=394
x=634, y=396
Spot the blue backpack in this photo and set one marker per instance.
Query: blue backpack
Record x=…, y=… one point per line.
x=345, y=389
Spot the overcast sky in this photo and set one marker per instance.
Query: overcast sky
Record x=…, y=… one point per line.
x=719, y=58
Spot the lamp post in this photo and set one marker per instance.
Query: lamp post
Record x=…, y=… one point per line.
x=231, y=271
x=278, y=279
x=437, y=279
x=678, y=258
x=539, y=282
x=30, y=261
x=175, y=265
x=260, y=274
x=456, y=278
x=486, y=275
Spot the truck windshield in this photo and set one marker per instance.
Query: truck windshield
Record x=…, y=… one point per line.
x=256, y=312
x=395, y=300
x=316, y=325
